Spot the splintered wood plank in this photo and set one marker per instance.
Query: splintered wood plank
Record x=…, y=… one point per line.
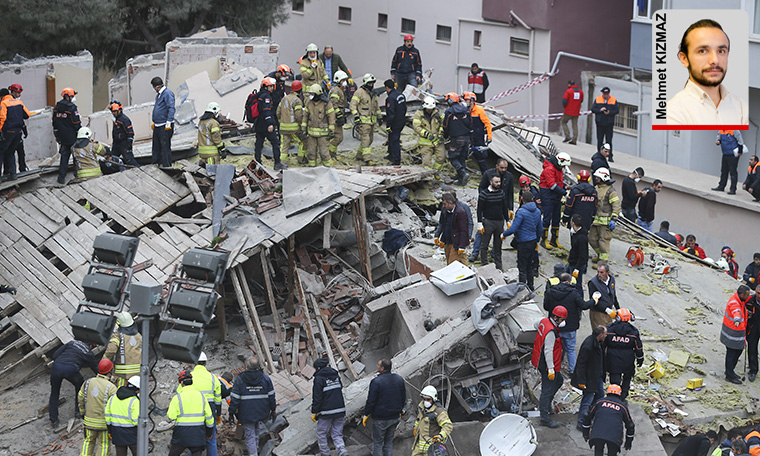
x=155, y=189
x=30, y=232
x=180, y=191
x=32, y=217
x=38, y=332
x=66, y=198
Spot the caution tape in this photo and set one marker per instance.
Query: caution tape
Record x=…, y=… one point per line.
x=520, y=88
x=556, y=115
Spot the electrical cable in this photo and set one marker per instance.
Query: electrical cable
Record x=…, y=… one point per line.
x=153, y=388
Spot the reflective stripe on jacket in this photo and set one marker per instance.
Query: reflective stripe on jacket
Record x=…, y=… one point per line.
x=732, y=335
x=191, y=414
x=122, y=418
x=431, y=422
x=318, y=117
x=425, y=125
x=475, y=81
x=12, y=114
x=125, y=352
x=608, y=206
x=86, y=159
x=364, y=106
x=290, y=112
x=209, y=137
x=93, y=396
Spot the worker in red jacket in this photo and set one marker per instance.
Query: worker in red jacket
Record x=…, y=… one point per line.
x=552, y=190
x=571, y=101
x=547, y=357
x=692, y=247
x=734, y=331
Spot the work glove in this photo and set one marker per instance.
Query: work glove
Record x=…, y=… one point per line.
x=7, y=289
x=596, y=296
x=460, y=251
x=168, y=126
x=388, y=130
x=414, y=432
x=737, y=321
x=628, y=442
x=640, y=362
x=152, y=125
x=438, y=242
x=481, y=229
x=303, y=130
x=436, y=439
x=581, y=386
x=612, y=225
x=350, y=81
x=551, y=374
x=379, y=121
x=25, y=130
x=364, y=420
x=331, y=135
x=575, y=274
x=511, y=215
x=504, y=236
x=586, y=432
x=752, y=280
x=222, y=151
x=611, y=312
x=219, y=420
x=488, y=142
x=314, y=64
x=536, y=247
x=314, y=417
x=273, y=415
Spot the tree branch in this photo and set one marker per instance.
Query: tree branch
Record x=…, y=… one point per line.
x=145, y=31
x=199, y=19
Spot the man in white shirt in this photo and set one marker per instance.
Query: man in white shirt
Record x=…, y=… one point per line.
x=705, y=101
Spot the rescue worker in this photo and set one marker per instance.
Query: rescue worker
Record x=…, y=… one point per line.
x=564, y=294
x=508, y=188
x=193, y=420
x=366, y=112
x=571, y=102
x=607, y=210
x=751, y=182
x=491, y=213
x=582, y=200
x=733, y=267
x=125, y=348
x=527, y=230
x=210, y=145
x=312, y=69
x=604, y=424
x=395, y=119
x=123, y=134
x=457, y=126
x=552, y=190
x=93, y=396
x=623, y=349
x=66, y=124
x=577, y=259
x=406, y=66
x=605, y=303
x=589, y=373
x=67, y=361
x=252, y=401
x=696, y=445
x=477, y=82
x=527, y=185
x=454, y=236
x=631, y=194
x=8, y=289
x=428, y=124
x=432, y=425
x=740, y=448
x=547, y=357
x=724, y=449
x=280, y=75
x=731, y=148
x=318, y=122
x=605, y=108
x=752, y=272
x=482, y=132
x=12, y=126
x=339, y=104
x=328, y=408
x=122, y=414
x=599, y=159
x=733, y=332
x=647, y=202
x=385, y=403
x=88, y=153
x=208, y=384
x=266, y=124
x=692, y=247
x=752, y=439
x=290, y=113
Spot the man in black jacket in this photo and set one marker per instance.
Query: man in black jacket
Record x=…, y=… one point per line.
x=589, y=371
x=491, y=213
x=582, y=200
x=67, y=361
x=564, y=294
x=457, y=126
x=631, y=194
x=266, y=124
x=608, y=416
x=603, y=311
x=328, y=407
x=664, y=233
x=123, y=134
x=752, y=272
x=507, y=186
x=385, y=404
x=647, y=202
x=696, y=445
x=395, y=119
x=623, y=350
x=753, y=335
x=605, y=108
x=577, y=260
x=599, y=159
x=406, y=66
x=66, y=124
x=752, y=181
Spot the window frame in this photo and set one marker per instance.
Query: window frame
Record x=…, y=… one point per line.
x=626, y=122
x=414, y=26
x=512, y=41
x=344, y=9
x=293, y=4
x=648, y=18
x=379, y=27
x=477, y=39
x=441, y=27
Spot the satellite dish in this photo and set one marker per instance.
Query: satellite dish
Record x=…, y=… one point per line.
x=508, y=434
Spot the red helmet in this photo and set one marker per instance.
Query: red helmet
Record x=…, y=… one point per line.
x=296, y=86
x=105, y=366
x=68, y=91
x=679, y=238
x=469, y=96
x=727, y=250
x=452, y=96
x=614, y=389
x=408, y=38
x=184, y=375
x=583, y=175
x=524, y=181
x=560, y=311
x=283, y=69
x=16, y=88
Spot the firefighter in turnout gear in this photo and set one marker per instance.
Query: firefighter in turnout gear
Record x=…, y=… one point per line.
x=93, y=396
x=428, y=124
x=122, y=413
x=608, y=208
x=319, y=123
x=623, y=350
x=432, y=425
x=290, y=113
x=603, y=426
x=124, y=349
x=366, y=112
x=210, y=144
x=88, y=153
x=312, y=69
x=338, y=100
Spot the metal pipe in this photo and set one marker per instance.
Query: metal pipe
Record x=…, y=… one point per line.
x=757, y=130
x=638, y=121
x=560, y=54
x=142, y=422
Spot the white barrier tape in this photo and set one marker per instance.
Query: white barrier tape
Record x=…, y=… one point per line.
x=531, y=83
x=545, y=116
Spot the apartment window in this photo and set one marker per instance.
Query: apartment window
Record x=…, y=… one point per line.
x=408, y=26
x=476, y=38
x=645, y=8
x=297, y=5
x=443, y=33
x=344, y=14
x=625, y=121
x=382, y=21
x=756, y=18
x=519, y=46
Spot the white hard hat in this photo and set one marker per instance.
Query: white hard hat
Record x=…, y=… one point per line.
x=603, y=174
x=312, y=47
x=369, y=77
x=339, y=76
x=203, y=356
x=606, y=146
x=124, y=319
x=134, y=381
x=84, y=133
x=563, y=158
x=430, y=391
x=429, y=103
x=214, y=108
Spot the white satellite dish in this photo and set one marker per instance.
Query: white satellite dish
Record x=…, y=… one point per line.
x=508, y=435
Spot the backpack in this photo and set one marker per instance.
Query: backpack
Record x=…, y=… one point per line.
x=252, y=107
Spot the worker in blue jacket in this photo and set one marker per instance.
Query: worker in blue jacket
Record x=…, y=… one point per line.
x=527, y=228
x=252, y=401
x=328, y=407
x=395, y=119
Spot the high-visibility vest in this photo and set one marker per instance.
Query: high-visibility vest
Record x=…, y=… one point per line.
x=190, y=408
x=544, y=327
x=122, y=412
x=731, y=334
x=207, y=383
x=475, y=81
x=611, y=101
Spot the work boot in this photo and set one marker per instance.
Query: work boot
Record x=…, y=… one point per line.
x=544, y=240
x=555, y=238
x=54, y=423
x=752, y=376
x=717, y=189
x=549, y=423
x=730, y=192
x=463, y=179
x=572, y=142
x=279, y=165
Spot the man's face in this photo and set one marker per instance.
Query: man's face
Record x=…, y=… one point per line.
x=690, y=243
x=752, y=160
x=757, y=261
x=379, y=369
x=449, y=206
x=312, y=55
x=606, y=96
x=496, y=182
x=157, y=88
x=502, y=167
x=657, y=188
x=328, y=52
x=15, y=94
x=600, y=338
x=474, y=69
x=602, y=273
x=707, y=58
x=408, y=43
x=606, y=152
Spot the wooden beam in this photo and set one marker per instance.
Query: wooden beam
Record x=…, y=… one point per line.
x=311, y=344
x=339, y=347
x=295, y=344
x=326, y=228
x=18, y=343
x=244, y=311
x=255, y=315
x=221, y=316
x=39, y=351
x=193, y=186
x=273, y=305
x=290, y=305
x=322, y=331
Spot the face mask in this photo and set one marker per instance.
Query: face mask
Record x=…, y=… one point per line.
x=314, y=97
x=428, y=404
x=562, y=325
x=572, y=230
x=637, y=179
x=74, y=99
x=344, y=83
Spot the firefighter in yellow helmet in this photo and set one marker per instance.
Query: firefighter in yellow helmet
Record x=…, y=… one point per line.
x=210, y=144
x=366, y=112
x=432, y=425
x=88, y=153
x=319, y=123
x=125, y=349
x=428, y=124
x=290, y=113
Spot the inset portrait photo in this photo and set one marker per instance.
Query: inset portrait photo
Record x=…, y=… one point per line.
x=700, y=70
